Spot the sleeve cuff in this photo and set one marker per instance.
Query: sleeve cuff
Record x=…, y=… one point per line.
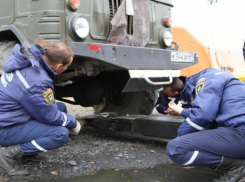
x=184, y=113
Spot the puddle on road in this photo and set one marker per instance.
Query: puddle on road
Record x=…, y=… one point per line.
x=164, y=173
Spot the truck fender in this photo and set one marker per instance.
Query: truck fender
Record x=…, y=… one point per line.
x=16, y=32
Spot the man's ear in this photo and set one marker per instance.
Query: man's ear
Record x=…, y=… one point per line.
x=176, y=92
x=59, y=65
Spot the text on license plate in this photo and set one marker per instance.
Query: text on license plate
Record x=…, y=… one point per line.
x=182, y=57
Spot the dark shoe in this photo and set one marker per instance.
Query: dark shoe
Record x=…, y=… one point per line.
x=235, y=170
x=9, y=160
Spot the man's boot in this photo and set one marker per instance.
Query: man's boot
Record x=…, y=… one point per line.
x=235, y=170
x=9, y=160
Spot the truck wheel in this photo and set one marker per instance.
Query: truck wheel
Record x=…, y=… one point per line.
x=132, y=103
x=6, y=48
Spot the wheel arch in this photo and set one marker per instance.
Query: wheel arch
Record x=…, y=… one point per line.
x=12, y=32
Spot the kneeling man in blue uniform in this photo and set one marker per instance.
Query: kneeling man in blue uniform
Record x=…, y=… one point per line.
x=213, y=132
x=30, y=119
x=174, y=91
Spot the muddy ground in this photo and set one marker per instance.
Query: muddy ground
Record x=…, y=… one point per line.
x=91, y=152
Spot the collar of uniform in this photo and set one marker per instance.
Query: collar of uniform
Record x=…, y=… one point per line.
x=28, y=56
x=38, y=52
x=187, y=91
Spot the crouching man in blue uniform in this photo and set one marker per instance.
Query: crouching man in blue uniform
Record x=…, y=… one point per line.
x=219, y=98
x=174, y=91
x=30, y=119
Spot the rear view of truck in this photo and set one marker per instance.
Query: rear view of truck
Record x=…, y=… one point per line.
x=123, y=48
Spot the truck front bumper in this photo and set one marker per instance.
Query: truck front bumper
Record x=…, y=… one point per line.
x=149, y=68
x=135, y=58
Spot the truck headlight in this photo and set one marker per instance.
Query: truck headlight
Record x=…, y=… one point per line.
x=80, y=27
x=167, y=38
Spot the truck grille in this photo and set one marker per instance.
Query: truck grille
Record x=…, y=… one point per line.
x=114, y=4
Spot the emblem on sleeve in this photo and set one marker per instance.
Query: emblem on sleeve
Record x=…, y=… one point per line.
x=199, y=87
x=49, y=96
x=201, y=80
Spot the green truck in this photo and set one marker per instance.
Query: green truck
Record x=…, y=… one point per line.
x=123, y=48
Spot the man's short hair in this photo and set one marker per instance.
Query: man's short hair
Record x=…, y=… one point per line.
x=176, y=85
x=58, y=53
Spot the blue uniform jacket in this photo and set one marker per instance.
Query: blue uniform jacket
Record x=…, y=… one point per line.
x=26, y=90
x=185, y=97
x=219, y=96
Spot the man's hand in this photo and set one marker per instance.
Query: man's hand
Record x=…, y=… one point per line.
x=76, y=130
x=170, y=111
x=176, y=108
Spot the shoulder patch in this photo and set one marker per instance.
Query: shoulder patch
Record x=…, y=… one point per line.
x=48, y=95
x=199, y=87
x=201, y=80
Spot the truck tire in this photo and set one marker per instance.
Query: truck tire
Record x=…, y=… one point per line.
x=133, y=103
x=6, y=48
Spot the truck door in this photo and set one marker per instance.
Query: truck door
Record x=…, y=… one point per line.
x=7, y=13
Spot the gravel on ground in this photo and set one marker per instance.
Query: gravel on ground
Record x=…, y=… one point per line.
x=90, y=152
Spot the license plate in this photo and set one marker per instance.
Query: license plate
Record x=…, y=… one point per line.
x=182, y=57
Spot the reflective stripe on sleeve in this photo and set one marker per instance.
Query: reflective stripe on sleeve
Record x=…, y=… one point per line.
x=38, y=146
x=193, y=157
x=65, y=119
x=194, y=124
x=171, y=98
x=3, y=80
x=22, y=79
x=157, y=105
x=184, y=102
x=219, y=73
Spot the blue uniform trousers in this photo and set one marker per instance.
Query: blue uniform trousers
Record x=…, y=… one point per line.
x=206, y=148
x=35, y=137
